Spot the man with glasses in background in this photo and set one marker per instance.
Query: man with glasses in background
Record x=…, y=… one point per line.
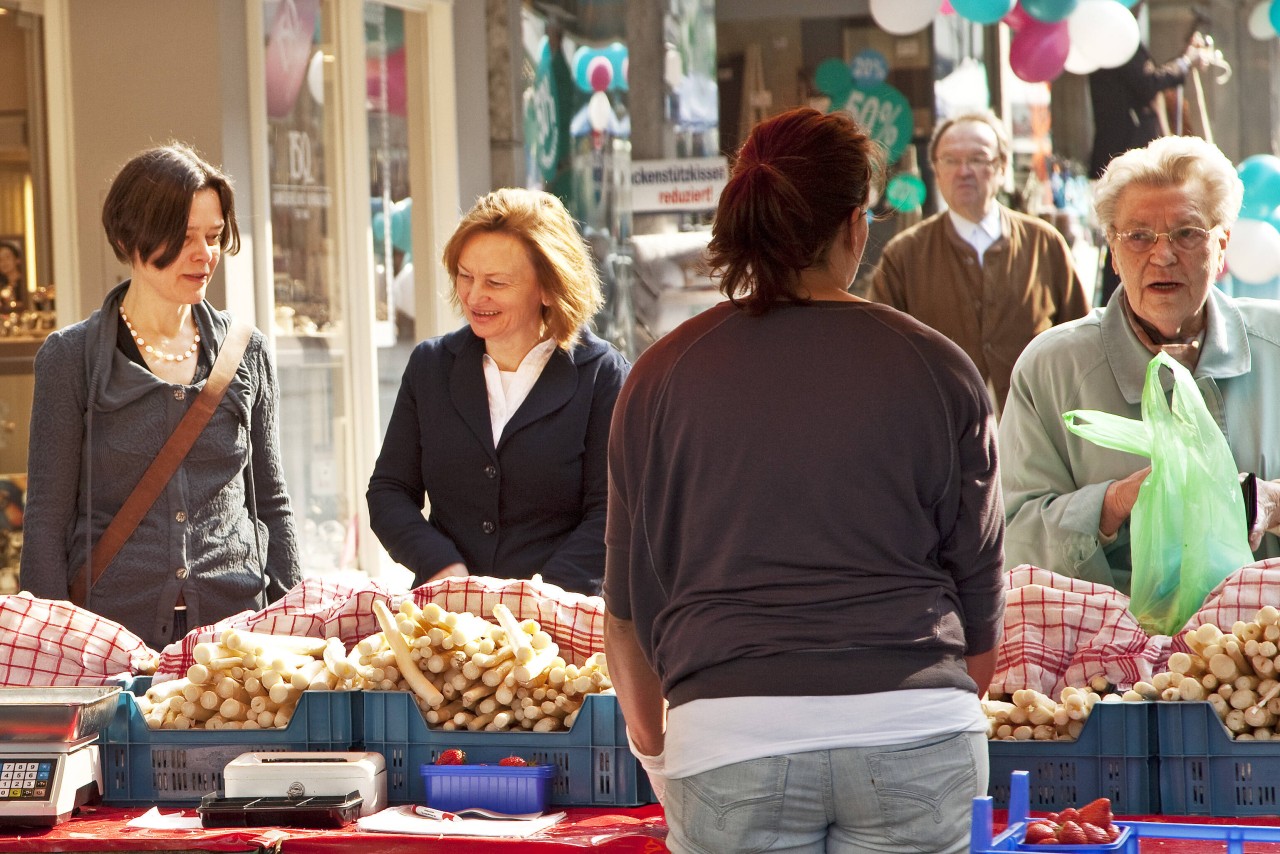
x=1167, y=210
x=986, y=276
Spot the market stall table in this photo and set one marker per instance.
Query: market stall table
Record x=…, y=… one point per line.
x=640, y=830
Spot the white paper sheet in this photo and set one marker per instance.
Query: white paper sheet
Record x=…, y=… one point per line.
x=403, y=820
x=155, y=820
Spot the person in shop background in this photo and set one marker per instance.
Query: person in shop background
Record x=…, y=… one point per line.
x=12, y=283
x=1167, y=210
x=1123, y=100
x=987, y=277
x=503, y=424
x=773, y=554
x=109, y=390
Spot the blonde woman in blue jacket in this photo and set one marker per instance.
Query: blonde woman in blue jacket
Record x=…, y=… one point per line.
x=503, y=424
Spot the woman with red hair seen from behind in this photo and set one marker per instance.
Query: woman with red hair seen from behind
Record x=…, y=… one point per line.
x=782, y=580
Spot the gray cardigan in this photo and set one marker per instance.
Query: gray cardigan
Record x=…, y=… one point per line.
x=97, y=421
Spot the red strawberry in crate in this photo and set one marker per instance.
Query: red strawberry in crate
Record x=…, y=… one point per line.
x=1097, y=812
x=1069, y=814
x=452, y=756
x=1041, y=831
x=1071, y=833
x=1096, y=835
x=513, y=761
x=1113, y=833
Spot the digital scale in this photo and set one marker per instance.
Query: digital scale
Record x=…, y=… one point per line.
x=49, y=760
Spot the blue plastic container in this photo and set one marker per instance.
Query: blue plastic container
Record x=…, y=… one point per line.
x=593, y=764
x=1115, y=757
x=1203, y=771
x=499, y=788
x=981, y=840
x=143, y=766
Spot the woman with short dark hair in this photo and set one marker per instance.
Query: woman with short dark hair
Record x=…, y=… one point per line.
x=110, y=390
x=804, y=534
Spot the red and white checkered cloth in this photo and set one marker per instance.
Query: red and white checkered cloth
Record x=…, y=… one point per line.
x=321, y=608
x=45, y=642
x=1061, y=631
x=1238, y=597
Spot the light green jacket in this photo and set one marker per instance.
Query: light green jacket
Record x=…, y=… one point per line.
x=1054, y=481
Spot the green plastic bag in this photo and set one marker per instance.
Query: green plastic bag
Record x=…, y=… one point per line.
x=1187, y=531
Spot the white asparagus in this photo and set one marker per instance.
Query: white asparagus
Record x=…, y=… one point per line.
x=418, y=682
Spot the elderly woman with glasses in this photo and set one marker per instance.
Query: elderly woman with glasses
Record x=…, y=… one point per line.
x=1167, y=210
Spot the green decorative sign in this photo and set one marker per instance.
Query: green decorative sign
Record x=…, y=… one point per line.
x=905, y=193
x=542, y=127
x=881, y=110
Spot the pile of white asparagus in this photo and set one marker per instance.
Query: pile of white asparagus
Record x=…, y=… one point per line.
x=1235, y=672
x=1030, y=715
x=463, y=672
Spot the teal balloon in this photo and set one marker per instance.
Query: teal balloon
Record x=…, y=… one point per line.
x=401, y=225
x=1260, y=175
x=1049, y=11
x=983, y=11
x=833, y=78
x=1274, y=14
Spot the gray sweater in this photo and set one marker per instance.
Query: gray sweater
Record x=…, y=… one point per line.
x=221, y=533
x=807, y=499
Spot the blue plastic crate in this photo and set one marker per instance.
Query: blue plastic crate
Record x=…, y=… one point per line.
x=594, y=765
x=1203, y=771
x=981, y=840
x=514, y=790
x=143, y=766
x=1115, y=757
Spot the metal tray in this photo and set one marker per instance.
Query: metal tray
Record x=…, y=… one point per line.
x=56, y=713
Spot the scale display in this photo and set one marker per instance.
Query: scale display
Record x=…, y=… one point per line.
x=27, y=778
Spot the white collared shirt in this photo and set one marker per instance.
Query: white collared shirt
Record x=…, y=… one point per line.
x=979, y=235
x=508, y=389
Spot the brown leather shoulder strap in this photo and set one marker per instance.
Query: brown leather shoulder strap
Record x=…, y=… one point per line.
x=166, y=462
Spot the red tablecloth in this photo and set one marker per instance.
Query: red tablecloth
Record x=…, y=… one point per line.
x=638, y=829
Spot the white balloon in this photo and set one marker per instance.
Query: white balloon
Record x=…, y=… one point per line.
x=599, y=109
x=1104, y=32
x=1260, y=26
x=1253, y=255
x=315, y=76
x=1078, y=63
x=902, y=17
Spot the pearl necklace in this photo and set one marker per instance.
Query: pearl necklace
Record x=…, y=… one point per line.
x=154, y=351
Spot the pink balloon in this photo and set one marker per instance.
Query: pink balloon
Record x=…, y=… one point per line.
x=946, y=8
x=1039, y=50
x=1018, y=18
x=599, y=73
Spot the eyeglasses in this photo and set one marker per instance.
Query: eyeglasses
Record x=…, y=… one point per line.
x=1188, y=238
x=977, y=164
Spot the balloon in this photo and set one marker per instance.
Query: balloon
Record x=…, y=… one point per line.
x=599, y=73
x=1078, y=63
x=901, y=17
x=946, y=8
x=1017, y=18
x=598, y=111
x=1260, y=175
x=985, y=11
x=672, y=68
x=395, y=81
x=1253, y=255
x=1260, y=26
x=1049, y=11
x=315, y=77
x=1274, y=16
x=1038, y=51
x=1104, y=32
x=288, y=51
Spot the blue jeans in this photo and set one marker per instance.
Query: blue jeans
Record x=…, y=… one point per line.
x=894, y=798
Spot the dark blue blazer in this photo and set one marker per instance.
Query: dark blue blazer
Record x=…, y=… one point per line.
x=533, y=504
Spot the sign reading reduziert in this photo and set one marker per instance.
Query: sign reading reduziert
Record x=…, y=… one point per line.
x=677, y=185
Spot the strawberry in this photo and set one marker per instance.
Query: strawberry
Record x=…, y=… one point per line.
x=1071, y=833
x=1052, y=818
x=452, y=756
x=1069, y=814
x=1040, y=831
x=1097, y=812
x=1095, y=834
x=1113, y=832
x=513, y=761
